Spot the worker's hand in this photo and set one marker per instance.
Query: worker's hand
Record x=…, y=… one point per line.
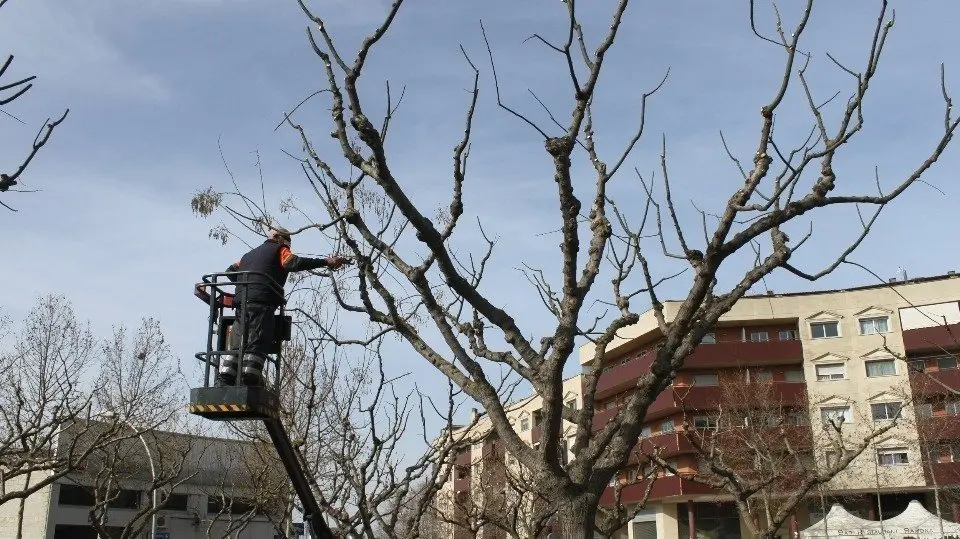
x=337, y=261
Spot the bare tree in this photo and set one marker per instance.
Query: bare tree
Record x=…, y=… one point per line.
x=43, y=393
x=139, y=397
x=347, y=420
x=413, y=283
x=117, y=475
x=12, y=89
x=64, y=420
x=757, y=446
x=251, y=485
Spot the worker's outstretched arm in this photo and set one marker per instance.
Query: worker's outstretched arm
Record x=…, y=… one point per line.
x=292, y=262
x=231, y=269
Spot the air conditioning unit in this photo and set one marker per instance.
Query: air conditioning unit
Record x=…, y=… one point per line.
x=162, y=522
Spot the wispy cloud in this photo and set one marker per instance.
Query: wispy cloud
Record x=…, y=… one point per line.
x=72, y=47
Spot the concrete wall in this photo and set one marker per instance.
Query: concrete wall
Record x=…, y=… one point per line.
x=36, y=509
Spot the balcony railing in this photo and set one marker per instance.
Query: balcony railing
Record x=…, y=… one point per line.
x=935, y=382
x=718, y=355
x=663, y=487
x=946, y=473
x=940, y=428
x=709, y=397
x=621, y=377
x=932, y=339
x=745, y=354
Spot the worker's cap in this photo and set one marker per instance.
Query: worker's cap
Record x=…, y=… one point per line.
x=279, y=232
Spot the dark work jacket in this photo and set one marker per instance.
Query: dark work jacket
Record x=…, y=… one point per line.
x=267, y=286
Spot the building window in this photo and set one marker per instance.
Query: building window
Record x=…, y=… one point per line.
x=645, y=432
x=797, y=418
x=946, y=363
x=177, y=502
x=838, y=415
x=667, y=426
x=892, y=457
x=882, y=367
x=925, y=410
x=885, y=410
x=831, y=371
x=793, y=375
x=824, y=330
x=524, y=424
x=572, y=404
x=759, y=336
x=788, y=335
x=917, y=365
x=671, y=463
x=952, y=407
x=217, y=505
x=709, y=338
x=75, y=495
x=761, y=377
x=705, y=422
x=463, y=472
x=871, y=326
x=706, y=380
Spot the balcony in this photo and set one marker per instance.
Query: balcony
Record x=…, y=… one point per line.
x=718, y=355
x=945, y=473
x=670, y=445
x=745, y=354
x=624, y=376
x=601, y=417
x=663, y=487
x=461, y=471
x=935, y=382
x=932, y=339
x=708, y=397
x=940, y=428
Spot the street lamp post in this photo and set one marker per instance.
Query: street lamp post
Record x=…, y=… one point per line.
x=153, y=472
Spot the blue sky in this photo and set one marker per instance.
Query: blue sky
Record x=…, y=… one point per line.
x=154, y=85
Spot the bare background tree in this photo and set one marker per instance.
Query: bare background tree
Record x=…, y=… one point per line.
x=73, y=407
x=413, y=284
x=13, y=87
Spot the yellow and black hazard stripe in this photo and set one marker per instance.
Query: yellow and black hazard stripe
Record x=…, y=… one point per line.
x=219, y=408
x=227, y=408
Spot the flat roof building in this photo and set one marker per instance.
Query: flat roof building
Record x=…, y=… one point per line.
x=224, y=488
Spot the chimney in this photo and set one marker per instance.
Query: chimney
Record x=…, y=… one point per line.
x=892, y=280
x=951, y=272
x=769, y=292
x=474, y=415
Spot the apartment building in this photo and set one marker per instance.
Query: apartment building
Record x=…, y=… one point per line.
x=213, y=498
x=819, y=359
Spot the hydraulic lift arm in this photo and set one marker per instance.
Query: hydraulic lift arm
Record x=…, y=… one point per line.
x=291, y=461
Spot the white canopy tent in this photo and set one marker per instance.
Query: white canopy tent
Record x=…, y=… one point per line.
x=838, y=522
x=914, y=523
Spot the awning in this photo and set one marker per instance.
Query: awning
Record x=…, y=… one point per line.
x=914, y=523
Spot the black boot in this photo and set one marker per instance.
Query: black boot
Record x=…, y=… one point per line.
x=252, y=370
x=226, y=372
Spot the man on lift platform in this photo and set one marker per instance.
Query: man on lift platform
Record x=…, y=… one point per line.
x=272, y=261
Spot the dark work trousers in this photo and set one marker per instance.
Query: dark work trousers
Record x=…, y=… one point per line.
x=258, y=323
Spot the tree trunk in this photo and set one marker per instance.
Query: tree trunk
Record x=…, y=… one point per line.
x=577, y=517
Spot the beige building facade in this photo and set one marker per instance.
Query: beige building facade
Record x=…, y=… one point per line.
x=860, y=358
